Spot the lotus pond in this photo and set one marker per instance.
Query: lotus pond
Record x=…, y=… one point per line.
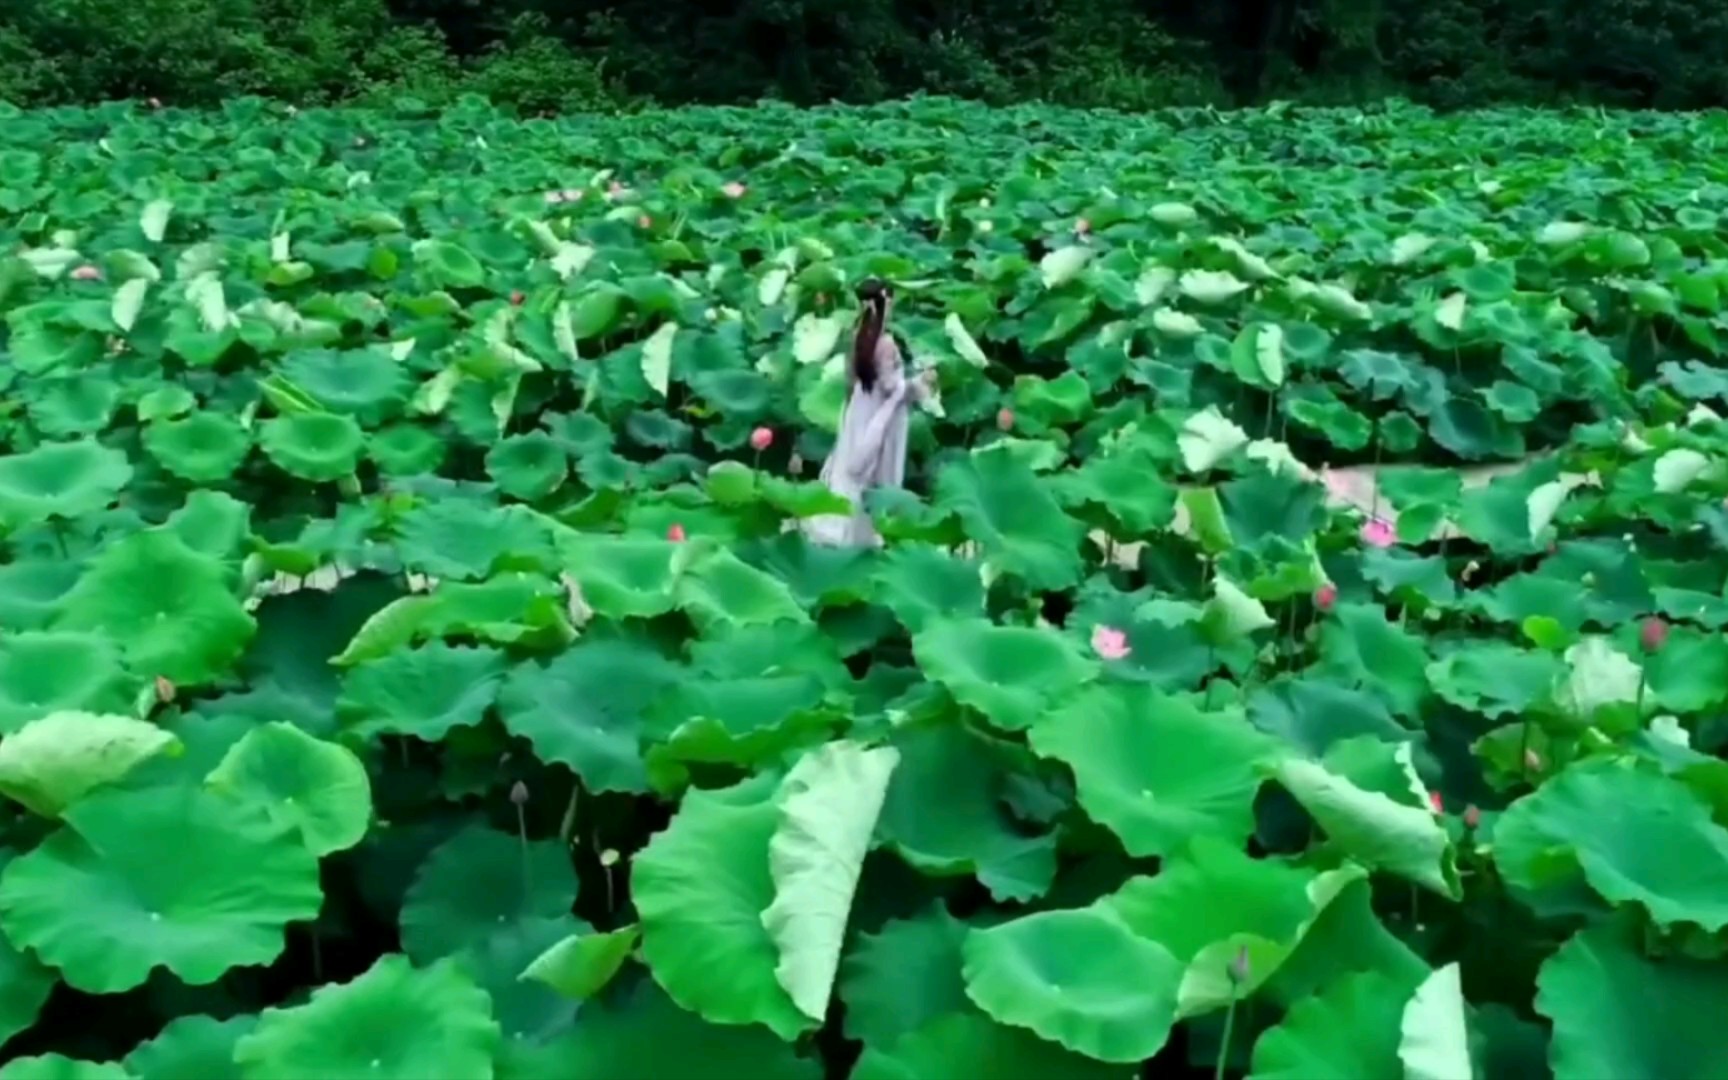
x=407, y=668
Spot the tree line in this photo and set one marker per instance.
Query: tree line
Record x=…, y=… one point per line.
x=539, y=55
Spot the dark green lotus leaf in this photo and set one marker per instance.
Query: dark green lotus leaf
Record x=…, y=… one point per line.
x=313, y=445
x=367, y=384
x=529, y=467
x=1014, y=519
x=60, y=480
x=465, y=540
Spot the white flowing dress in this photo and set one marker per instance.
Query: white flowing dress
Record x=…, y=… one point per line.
x=871, y=449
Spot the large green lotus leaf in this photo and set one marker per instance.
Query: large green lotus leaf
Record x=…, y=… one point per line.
x=514, y=609
x=77, y=406
x=528, y=467
x=659, y=1039
x=478, y=880
x=1265, y=508
x=315, y=788
x=51, y=763
x=60, y=1067
x=700, y=888
x=199, y=1046
x=1126, y=485
x=921, y=583
x=1081, y=978
x=465, y=540
x=1011, y=674
x=1013, y=517
x=586, y=709
x=1350, y=1031
x=746, y=722
x=817, y=574
x=945, y=812
x=1214, y=903
x=1156, y=770
x=1311, y=714
x=43, y=672
x=579, y=965
x=60, y=480
x=1166, y=646
x=1494, y=678
x=170, y=608
x=201, y=448
x=314, y=446
x=622, y=577
x=1394, y=832
x=1347, y=937
x=977, y=1048
x=829, y=803
x=529, y=1013
x=1434, y=1033
x=1690, y=672
x=424, y=692
x=406, y=450
x=1659, y=847
x=164, y=876
x=720, y=589
x=24, y=983
x=1617, y=1013
x=369, y=384
x=901, y=978
x=395, y=1022
x=1360, y=646
x=31, y=589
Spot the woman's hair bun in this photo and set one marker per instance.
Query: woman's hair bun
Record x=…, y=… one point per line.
x=872, y=289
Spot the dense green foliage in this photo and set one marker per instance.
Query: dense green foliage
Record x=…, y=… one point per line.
x=408, y=669
x=572, y=54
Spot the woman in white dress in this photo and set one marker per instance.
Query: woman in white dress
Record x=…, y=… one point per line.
x=871, y=449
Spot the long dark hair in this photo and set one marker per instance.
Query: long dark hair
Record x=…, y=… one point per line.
x=874, y=294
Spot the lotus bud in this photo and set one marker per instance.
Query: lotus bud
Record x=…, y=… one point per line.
x=164, y=689
x=519, y=793
x=1005, y=420
x=761, y=439
x=1241, y=967
x=675, y=533
x=1435, y=801
x=1653, y=634
x=1326, y=596
x=1472, y=817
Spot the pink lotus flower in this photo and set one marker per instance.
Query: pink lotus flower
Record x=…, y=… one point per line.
x=675, y=533
x=517, y=297
x=1653, y=634
x=1472, y=817
x=86, y=273
x=1082, y=227
x=1326, y=596
x=164, y=689
x=1435, y=801
x=1109, y=642
x=733, y=190
x=1005, y=419
x=645, y=221
x=761, y=439
x=1377, y=532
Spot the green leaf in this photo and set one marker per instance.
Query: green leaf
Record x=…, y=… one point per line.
x=1397, y=834
x=1434, y=1039
x=903, y=977
x=1014, y=518
x=60, y=480
x=171, y=608
x=25, y=984
x=51, y=763
x=1617, y=1013
x=60, y=1067
x=425, y=692
x=394, y=1022
x=478, y=880
x=43, y=672
x=1659, y=848
x=700, y=889
x=828, y=808
x=163, y=876
x=200, y=1046
x=581, y=965
x=314, y=788
x=978, y=1048
x=1011, y=674
x=1361, y=646
x=1117, y=740
x=1080, y=978
x=1349, y=1031
x=313, y=446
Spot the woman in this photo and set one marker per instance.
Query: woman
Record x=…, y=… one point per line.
x=871, y=450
